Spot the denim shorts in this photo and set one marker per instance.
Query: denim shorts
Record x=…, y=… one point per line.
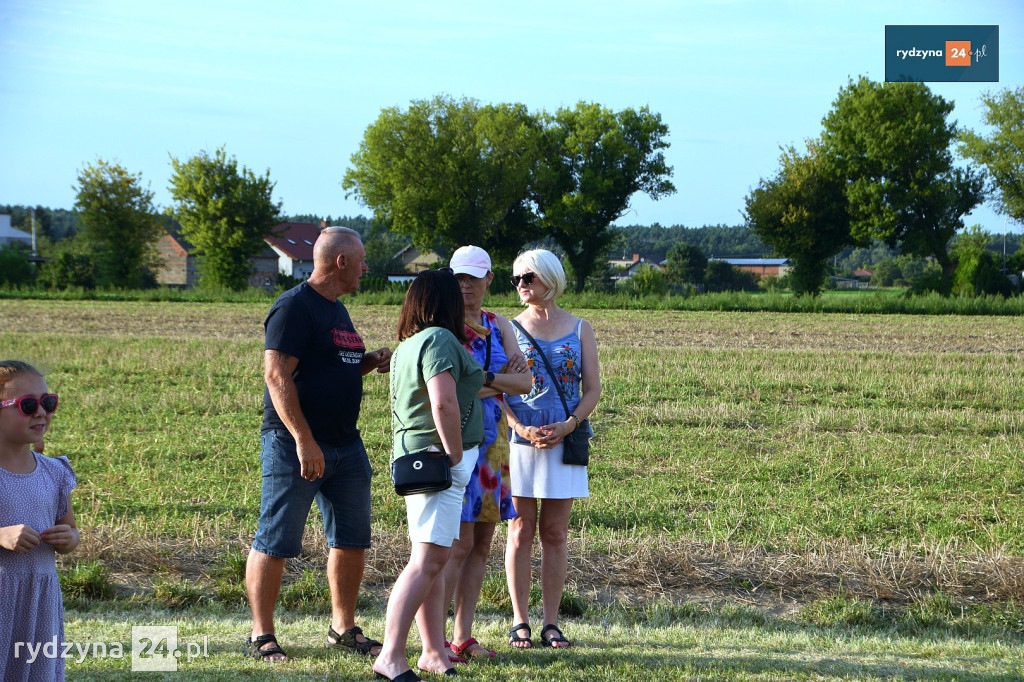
x=342, y=493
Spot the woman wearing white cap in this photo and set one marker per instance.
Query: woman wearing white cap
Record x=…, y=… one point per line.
x=488, y=498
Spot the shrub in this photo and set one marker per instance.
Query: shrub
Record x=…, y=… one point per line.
x=14, y=266
x=646, y=281
x=86, y=580
x=176, y=594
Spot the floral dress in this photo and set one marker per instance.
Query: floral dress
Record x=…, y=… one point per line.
x=488, y=496
x=535, y=472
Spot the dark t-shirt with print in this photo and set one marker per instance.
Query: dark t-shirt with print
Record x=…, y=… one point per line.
x=329, y=377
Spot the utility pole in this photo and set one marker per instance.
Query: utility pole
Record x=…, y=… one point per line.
x=32, y=221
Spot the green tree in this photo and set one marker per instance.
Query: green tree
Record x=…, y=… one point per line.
x=14, y=265
x=450, y=172
x=593, y=160
x=977, y=270
x=721, y=276
x=801, y=213
x=382, y=248
x=648, y=280
x=686, y=264
x=225, y=212
x=886, y=273
x=120, y=224
x=891, y=144
x=68, y=269
x=1002, y=151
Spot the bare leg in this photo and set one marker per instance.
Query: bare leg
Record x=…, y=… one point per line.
x=430, y=619
x=407, y=596
x=344, y=576
x=461, y=549
x=518, y=552
x=263, y=575
x=456, y=565
x=470, y=580
x=554, y=553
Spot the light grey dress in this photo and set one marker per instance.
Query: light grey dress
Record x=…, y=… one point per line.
x=31, y=607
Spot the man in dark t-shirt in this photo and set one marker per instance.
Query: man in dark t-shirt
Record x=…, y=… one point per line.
x=314, y=362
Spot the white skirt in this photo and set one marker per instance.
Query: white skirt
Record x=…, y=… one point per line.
x=540, y=474
x=435, y=517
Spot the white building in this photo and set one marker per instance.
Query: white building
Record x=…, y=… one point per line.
x=9, y=235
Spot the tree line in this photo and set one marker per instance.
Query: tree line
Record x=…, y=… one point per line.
x=883, y=169
x=444, y=172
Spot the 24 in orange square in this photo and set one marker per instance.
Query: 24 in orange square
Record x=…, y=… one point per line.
x=958, y=53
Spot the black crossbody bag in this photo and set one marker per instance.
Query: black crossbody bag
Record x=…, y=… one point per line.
x=426, y=471
x=575, y=444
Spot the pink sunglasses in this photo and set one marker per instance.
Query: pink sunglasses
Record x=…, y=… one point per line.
x=28, y=404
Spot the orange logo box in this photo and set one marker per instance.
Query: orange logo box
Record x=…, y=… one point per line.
x=958, y=53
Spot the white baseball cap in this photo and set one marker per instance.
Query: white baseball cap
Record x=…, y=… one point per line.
x=470, y=260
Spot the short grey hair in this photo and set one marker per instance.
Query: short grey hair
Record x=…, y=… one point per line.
x=333, y=241
x=546, y=266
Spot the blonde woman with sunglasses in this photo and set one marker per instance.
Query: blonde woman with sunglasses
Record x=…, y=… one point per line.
x=543, y=487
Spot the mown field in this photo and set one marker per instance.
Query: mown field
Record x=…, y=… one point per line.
x=774, y=495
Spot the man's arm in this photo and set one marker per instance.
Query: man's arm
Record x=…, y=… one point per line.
x=278, y=368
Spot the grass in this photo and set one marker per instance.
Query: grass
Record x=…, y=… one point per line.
x=875, y=301
x=852, y=481
x=677, y=643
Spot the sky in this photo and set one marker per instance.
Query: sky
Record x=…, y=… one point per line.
x=291, y=87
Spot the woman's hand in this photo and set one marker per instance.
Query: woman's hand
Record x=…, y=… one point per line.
x=516, y=364
x=61, y=537
x=547, y=436
x=21, y=538
x=454, y=460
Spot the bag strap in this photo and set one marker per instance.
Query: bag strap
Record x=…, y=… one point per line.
x=487, y=360
x=547, y=364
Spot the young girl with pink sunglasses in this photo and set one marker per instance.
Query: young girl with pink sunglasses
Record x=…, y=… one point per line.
x=36, y=520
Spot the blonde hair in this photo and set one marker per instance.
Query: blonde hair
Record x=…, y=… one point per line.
x=545, y=265
x=10, y=369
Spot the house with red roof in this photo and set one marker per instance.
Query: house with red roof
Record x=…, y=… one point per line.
x=293, y=244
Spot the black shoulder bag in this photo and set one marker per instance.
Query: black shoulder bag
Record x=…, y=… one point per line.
x=575, y=444
x=426, y=471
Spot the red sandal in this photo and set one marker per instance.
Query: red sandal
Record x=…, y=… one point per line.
x=465, y=649
x=457, y=658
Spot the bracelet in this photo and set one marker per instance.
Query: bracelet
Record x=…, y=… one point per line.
x=577, y=421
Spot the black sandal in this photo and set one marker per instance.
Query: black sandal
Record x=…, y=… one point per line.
x=557, y=637
x=253, y=650
x=513, y=636
x=347, y=641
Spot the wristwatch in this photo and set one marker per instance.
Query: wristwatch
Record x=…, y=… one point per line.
x=488, y=378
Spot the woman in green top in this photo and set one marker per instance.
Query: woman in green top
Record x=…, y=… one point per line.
x=434, y=386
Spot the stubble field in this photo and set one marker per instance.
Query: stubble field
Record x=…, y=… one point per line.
x=791, y=466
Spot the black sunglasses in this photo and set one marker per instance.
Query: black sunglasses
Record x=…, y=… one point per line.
x=29, y=404
x=526, y=278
